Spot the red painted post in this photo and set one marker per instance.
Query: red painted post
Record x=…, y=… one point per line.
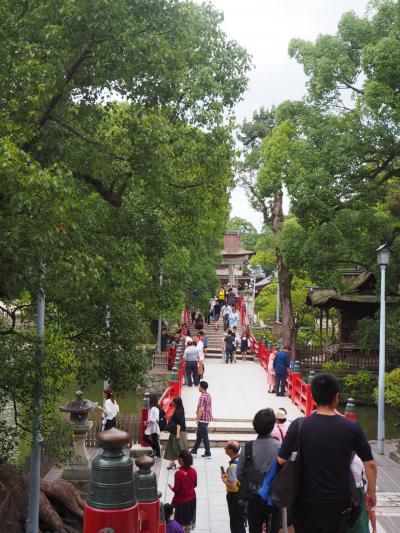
x=294, y=376
x=350, y=411
x=112, y=502
x=174, y=381
x=143, y=417
x=309, y=400
x=147, y=496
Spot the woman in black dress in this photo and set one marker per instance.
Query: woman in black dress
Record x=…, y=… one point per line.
x=177, y=440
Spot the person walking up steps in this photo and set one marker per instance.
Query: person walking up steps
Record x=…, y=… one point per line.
x=203, y=418
x=229, y=341
x=200, y=347
x=244, y=346
x=177, y=440
x=226, y=313
x=191, y=357
x=152, y=431
x=216, y=314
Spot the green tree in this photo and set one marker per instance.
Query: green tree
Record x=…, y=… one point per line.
x=345, y=166
x=248, y=232
x=115, y=117
x=304, y=315
x=265, y=174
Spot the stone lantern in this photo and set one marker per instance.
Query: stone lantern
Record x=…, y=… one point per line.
x=77, y=471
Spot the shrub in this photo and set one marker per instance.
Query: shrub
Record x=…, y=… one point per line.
x=360, y=386
x=335, y=367
x=392, y=389
x=58, y=443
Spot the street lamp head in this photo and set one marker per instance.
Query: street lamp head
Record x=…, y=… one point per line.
x=383, y=255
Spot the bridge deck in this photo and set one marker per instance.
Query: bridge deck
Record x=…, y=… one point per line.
x=238, y=391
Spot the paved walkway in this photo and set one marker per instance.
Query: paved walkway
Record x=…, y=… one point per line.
x=238, y=392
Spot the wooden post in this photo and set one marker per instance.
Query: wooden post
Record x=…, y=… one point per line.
x=320, y=328
x=327, y=330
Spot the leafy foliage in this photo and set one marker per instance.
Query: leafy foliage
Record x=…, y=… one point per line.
x=116, y=155
x=248, y=232
x=392, y=388
x=360, y=386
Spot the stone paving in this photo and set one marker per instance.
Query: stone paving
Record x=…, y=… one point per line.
x=212, y=511
x=238, y=391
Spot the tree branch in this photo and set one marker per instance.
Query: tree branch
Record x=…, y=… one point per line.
x=87, y=139
x=348, y=86
x=114, y=199
x=71, y=71
x=17, y=424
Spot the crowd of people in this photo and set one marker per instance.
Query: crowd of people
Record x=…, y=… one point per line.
x=183, y=504
x=336, y=459
x=338, y=471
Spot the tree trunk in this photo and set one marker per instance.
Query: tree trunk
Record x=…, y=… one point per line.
x=285, y=279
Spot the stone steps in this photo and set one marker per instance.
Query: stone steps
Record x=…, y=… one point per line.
x=217, y=440
x=220, y=430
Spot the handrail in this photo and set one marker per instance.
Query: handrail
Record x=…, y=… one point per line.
x=165, y=401
x=296, y=389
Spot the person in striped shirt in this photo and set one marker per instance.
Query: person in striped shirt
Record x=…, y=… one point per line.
x=203, y=418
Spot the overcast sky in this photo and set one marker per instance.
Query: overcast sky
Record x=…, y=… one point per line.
x=264, y=28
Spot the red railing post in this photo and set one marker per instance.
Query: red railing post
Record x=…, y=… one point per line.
x=309, y=401
x=294, y=376
x=174, y=382
x=350, y=410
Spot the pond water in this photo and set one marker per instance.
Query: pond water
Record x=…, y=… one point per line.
x=130, y=402
x=368, y=417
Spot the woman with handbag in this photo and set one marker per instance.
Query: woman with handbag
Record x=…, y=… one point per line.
x=176, y=427
x=184, y=500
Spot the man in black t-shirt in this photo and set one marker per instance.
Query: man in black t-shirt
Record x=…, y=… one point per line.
x=327, y=442
x=229, y=346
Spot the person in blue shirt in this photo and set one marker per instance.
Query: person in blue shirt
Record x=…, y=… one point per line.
x=281, y=364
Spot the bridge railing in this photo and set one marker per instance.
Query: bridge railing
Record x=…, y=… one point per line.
x=297, y=390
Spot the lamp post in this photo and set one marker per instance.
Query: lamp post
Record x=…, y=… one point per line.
x=383, y=255
x=32, y=521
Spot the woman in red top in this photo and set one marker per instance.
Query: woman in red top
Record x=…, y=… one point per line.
x=184, y=500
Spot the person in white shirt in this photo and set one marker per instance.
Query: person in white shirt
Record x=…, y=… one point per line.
x=200, y=347
x=226, y=312
x=152, y=431
x=110, y=410
x=358, y=471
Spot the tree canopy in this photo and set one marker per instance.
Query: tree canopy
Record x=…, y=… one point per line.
x=116, y=154
x=336, y=152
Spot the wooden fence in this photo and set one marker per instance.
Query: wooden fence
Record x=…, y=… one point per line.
x=126, y=422
x=313, y=357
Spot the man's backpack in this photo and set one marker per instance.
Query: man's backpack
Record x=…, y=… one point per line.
x=253, y=479
x=162, y=421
